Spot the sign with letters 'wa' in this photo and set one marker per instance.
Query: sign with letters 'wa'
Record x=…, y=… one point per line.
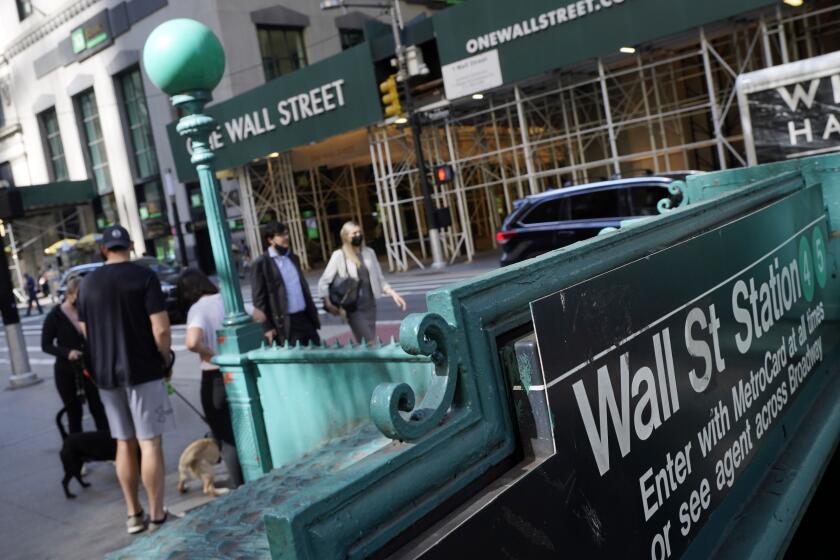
x=792, y=110
x=666, y=375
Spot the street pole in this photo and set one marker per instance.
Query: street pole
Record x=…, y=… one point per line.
x=22, y=374
x=186, y=60
x=416, y=133
x=170, y=192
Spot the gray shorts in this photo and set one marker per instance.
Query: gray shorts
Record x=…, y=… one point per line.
x=138, y=411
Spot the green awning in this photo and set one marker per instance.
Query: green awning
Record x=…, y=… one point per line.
x=57, y=195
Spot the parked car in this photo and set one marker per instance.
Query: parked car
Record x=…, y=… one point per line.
x=560, y=217
x=167, y=275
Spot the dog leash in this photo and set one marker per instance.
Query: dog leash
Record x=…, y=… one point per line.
x=170, y=389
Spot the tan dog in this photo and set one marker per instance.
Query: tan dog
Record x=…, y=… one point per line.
x=197, y=462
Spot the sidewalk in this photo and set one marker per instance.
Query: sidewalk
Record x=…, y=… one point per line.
x=36, y=520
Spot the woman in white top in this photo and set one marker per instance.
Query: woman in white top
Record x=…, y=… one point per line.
x=357, y=261
x=204, y=318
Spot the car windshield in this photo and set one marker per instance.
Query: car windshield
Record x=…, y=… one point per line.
x=162, y=269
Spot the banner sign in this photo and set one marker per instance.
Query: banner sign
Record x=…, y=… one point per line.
x=792, y=110
x=664, y=376
x=330, y=97
x=537, y=36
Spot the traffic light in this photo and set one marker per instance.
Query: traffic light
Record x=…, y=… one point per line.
x=391, y=97
x=444, y=174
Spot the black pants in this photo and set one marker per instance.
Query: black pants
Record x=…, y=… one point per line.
x=33, y=298
x=68, y=381
x=215, y=404
x=302, y=329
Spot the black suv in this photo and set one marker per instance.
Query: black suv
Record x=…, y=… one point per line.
x=560, y=217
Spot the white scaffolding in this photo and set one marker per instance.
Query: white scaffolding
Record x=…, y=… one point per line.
x=667, y=108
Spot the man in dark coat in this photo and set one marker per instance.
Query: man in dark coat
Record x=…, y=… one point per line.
x=280, y=291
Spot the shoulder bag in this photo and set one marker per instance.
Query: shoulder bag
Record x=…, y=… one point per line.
x=344, y=290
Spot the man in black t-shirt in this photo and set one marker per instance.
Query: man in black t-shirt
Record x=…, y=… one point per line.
x=123, y=315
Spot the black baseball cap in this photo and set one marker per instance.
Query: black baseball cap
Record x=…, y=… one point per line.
x=116, y=237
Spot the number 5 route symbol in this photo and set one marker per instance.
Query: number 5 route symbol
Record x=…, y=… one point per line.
x=820, y=257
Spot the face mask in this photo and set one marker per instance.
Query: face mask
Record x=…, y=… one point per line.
x=356, y=240
x=282, y=251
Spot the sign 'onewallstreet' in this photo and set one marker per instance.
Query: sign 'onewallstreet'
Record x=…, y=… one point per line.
x=668, y=375
x=333, y=96
x=563, y=32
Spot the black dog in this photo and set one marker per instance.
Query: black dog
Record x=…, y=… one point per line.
x=81, y=448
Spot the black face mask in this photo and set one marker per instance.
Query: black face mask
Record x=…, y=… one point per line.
x=282, y=251
x=356, y=240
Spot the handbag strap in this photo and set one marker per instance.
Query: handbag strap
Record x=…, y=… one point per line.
x=344, y=263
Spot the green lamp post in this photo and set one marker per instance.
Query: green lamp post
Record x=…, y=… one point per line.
x=186, y=60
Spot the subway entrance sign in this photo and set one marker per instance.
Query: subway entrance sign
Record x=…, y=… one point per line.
x=670, y=383
x=683, y=366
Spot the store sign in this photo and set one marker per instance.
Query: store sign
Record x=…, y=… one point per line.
x=667, y=390
x=92, y=36
x=536, y=36
x=336, y=95
x=472, y=75
x=792, y=110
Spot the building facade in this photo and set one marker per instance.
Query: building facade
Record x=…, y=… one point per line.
x=76, y=105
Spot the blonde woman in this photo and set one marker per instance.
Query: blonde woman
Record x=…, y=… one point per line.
x=357, y=261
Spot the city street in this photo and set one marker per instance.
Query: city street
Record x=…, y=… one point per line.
x=634, y=354
x=36, y=521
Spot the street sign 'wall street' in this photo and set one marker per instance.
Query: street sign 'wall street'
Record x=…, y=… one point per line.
x=792, y=110
x=667, y=374
x=330, y=97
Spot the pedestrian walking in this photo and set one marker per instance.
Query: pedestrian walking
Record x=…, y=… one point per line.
x=357, y=261
x=123, y=315
x=281, y=293
x=44, y=284
x=204, y=318
x=32, y=294
x=62, y=337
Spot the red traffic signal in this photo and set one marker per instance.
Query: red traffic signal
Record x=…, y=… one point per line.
x=444, y=174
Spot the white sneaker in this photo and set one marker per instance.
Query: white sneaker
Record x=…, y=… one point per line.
x=136, y=523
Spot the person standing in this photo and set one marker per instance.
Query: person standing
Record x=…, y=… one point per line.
x=204, y=318
x=62, y=337
x=356, y=260
x=281, y=293
x=32, y=294
x=122, y=313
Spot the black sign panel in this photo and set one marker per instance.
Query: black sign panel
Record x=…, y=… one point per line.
x=795, y=120
x=681, y=364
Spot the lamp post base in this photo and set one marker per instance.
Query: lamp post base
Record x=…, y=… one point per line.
x=23, y=380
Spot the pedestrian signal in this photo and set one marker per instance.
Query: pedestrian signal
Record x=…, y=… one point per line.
x=444, y=174
x=391, y=97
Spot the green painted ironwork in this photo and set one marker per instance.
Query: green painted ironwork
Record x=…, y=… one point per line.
x=312, y=394
x=185, y=60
